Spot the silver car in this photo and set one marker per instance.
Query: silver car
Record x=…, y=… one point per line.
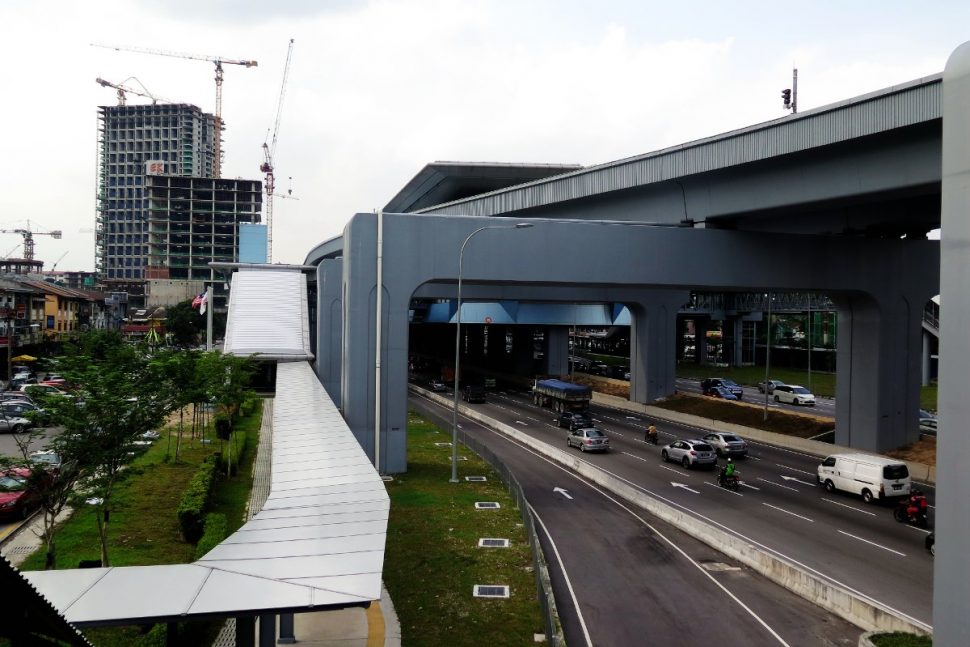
x=588, y=439
x=726, y=444
x=14, y=424
x=689, y=453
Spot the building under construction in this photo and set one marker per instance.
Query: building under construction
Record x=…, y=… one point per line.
x=161, y=215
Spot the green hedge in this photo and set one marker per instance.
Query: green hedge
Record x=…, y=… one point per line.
x=216, y=529
x=192, y=507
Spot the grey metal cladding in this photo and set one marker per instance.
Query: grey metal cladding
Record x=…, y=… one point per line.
x=908, y=104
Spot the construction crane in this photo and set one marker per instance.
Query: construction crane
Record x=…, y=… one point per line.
x=269, y=151
x=218, y=61
x=29, y=238
x=123, y=90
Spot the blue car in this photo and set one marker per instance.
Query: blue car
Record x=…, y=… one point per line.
x=721, y=392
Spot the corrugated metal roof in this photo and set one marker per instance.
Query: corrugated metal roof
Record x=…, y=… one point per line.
x=268, y=314
x=317, y=542
x=902, y=105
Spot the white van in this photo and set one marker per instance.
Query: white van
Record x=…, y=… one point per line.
x=871, y=477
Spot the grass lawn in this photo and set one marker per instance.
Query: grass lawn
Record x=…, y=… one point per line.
x=433, y=560
x=144, y=529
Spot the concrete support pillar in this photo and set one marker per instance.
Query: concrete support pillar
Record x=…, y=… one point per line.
x=267, y=630
x=359, y=352
x=733, y=344
x=653, y=346
x=557, y=350
x=951, y=573
x=878, y=371
x=329, y=326
x=246, y=631
x=522, y=360
x=286, y=630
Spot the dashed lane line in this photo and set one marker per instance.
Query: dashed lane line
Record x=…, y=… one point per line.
x=787, y=512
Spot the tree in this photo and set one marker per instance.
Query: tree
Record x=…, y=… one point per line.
x=123, y=391
x=186, y=326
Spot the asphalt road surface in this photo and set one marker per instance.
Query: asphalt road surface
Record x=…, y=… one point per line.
x=622, y=577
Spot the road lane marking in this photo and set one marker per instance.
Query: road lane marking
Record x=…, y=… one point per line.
x=686, y=476
x=850, y=507
x=565, y=575
x=683, y=486
x=872, y=543
x=787, y=512
x=639, y=458
x=777, y=484
x=563, y=492
x=794, y=469
x=923, y=530
x=524, y=424
x=792, y=478
x=750, y=486
x=714, y=485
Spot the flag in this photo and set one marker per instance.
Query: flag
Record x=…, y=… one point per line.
x=197, y=301
x=203, y=302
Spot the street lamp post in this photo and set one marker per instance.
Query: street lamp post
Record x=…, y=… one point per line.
x=454, y=416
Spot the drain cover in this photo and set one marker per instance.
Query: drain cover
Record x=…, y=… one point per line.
x=487, y=505
x=489, y=542
x=477, y=479
x=491, y=591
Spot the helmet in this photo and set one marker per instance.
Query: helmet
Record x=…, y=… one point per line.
x=729, y=460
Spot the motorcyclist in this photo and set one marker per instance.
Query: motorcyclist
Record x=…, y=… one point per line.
x=651, y=434
x=916, y=505
x=727, y=471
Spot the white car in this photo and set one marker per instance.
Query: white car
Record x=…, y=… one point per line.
x=794, y=394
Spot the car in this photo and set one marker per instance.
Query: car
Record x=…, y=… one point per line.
x=771, y=384
x=15, y=396
x=47, y=458
x=19, y=381
x=42, y=389
x=23, y=409
x=721, y=392
x=588, y=439
x=437, y=386
x=689, y=453
x=473, y=393
x=14, y=424
x=712, y=383
x=18, y=495
x=871, y=477
x=575, y=420
x=794, y=394
x=54, y=379
x=927, y=423
x=726, y=444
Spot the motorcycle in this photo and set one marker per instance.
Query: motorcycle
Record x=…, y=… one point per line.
x=732, y=482
x=903, y=514
x=650, y=438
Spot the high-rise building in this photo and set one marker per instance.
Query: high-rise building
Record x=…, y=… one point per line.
x=158, y=206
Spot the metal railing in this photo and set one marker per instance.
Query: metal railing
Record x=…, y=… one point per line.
x=547, y=600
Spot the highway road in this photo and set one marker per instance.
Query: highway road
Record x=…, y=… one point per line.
x=824, y=407
x=780, y=508
x=621, y=576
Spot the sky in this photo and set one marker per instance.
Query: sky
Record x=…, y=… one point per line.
x=378, y=89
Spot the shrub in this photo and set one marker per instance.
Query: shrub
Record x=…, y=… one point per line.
x=216, y=529
x=194, y=500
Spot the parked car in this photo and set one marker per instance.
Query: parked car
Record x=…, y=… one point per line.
x=927, y=423
x=47, y=458
x=473, y=393
x=575, y=420
x=871, y=477
x=771, y=384
x=437, y=386
x=43, y=389
x=689, y=453
x=721, y=392
x=588, y=439
x=794, y=394
x=712, y=383
x=15, y=396
x=726, y=444
x=14, y=424
x=18, y=494
x=18, y=381
x=23, y=409
x=55, y=380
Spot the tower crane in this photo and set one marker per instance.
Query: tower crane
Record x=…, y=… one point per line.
x=124, y=89
x=218, y=61
x=269, y=150
x=29, y=238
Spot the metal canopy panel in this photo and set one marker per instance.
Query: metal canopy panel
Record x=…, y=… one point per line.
x=313, y=545
x=268, y=315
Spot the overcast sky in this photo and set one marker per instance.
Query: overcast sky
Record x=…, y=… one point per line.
x=379, y=89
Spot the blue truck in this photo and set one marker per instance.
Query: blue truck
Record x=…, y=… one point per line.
x=561, y=396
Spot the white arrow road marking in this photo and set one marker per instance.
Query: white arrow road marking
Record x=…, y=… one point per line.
x=519, y=422
x=873, y=543
x=850, y=507
x=682, y=485
x=751, y=486
x=562, y=492
x=792, y=478
x=777, y=484
x=788, y=512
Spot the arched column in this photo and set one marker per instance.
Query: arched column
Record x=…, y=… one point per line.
x=653, y=344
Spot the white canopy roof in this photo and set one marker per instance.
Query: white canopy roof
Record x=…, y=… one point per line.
x=268, y=314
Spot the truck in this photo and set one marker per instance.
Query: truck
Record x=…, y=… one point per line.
x=561, y=396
